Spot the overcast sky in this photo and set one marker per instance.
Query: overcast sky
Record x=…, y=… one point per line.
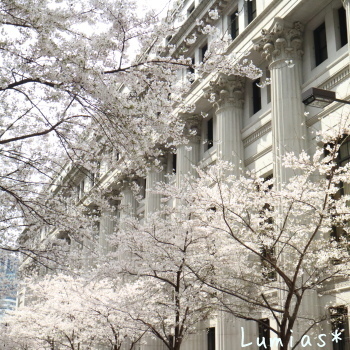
x=159, y=5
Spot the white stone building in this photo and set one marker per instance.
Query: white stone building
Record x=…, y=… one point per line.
x=298, y=44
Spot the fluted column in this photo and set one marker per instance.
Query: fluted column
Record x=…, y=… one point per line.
x=107, y=226
x=346, y=4
x=281, y=46
x=128, y=203
x=228, y=93
x=187, y=155
x=155, y=174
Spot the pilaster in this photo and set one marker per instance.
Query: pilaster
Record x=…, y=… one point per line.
x=281, y=46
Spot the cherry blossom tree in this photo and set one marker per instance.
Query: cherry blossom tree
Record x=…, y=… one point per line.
x=73, y=313
x=272, y=247
x=167, y=298
x=73, y=91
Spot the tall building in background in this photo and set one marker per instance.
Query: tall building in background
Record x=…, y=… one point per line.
x=8, y=281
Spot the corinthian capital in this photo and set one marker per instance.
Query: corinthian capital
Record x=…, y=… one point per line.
x=283, y=41
x=226, y=90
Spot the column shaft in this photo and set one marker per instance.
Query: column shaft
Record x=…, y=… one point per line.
x=228, y=92
x=230, y=146
x=288, y=120
x=107, y=225
x=281, y=46
x=153, y=200
x=128, y=203
x=187, y=155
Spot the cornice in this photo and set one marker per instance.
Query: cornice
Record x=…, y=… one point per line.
x=190, y=28
x=190, y=21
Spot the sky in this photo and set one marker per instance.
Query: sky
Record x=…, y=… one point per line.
x=158, y=5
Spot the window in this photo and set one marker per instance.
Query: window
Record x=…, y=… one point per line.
x=268, y=86
x=64, y=235
x=339, y=320
x=210, y=133
x=191, y=70
x=167, y=39
x=174, y=163
x=211, y=338
x=190, y=10
x=342, y=27
x=203, y=50
x=268, y=253
x=143, y=188
x=256, y=96
x=251, y=10
x=80, y=190
x=320, y=43
x=234, y=25
x=264, y=334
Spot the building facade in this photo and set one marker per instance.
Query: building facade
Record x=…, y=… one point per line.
x=297, y=44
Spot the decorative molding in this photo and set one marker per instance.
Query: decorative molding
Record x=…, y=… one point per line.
x=210, y=157
x=260, y=154
x=340, y=76
x=264, y=129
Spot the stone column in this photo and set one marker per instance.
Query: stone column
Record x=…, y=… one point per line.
x=281, y=46
x=187, y=155
x=228, y=93
x=107, y=226
x=155, y=174
x=128, y=203
x=346, y=4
